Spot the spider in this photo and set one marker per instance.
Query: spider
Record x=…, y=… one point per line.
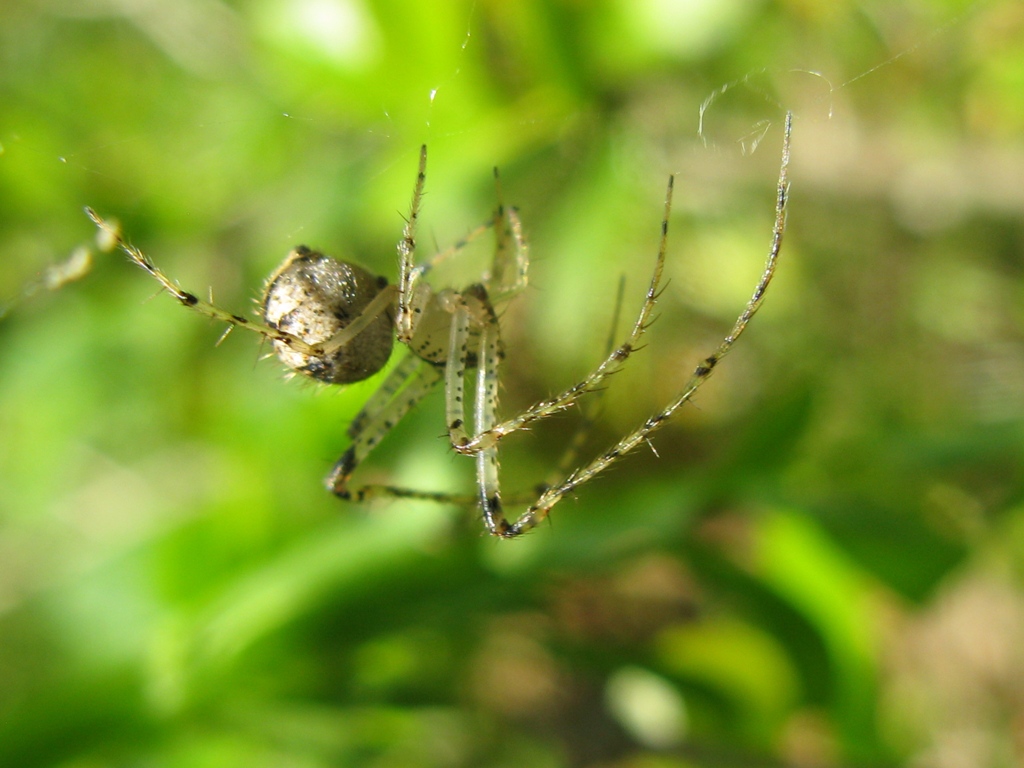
x=336, y=322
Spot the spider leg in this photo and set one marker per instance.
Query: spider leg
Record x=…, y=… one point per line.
x=407, y=274
x=376, y=491
x=396, y=379
x=380, y=303
x=441, y=256
x=511, y=262
x=475, y=338
x=485, y=406
x=455, y=373
x=539, y=510
x=191, y=300
x=401, y=391
x=473, y=335
x=612, y=362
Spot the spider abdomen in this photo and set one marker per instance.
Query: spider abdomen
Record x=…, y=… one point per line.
x=313, y=297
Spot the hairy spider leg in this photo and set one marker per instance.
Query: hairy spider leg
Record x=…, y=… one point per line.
x=382, y=302
x=407, y=275
x=510, y=266
x=382, y=396
x=483, y=420
x=455, y=371
x=372, y=491
x=420, y=270
x=539, y=510
x=406, y=385
x=191, y=300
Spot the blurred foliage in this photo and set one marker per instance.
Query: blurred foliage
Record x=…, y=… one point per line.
x=823, y=563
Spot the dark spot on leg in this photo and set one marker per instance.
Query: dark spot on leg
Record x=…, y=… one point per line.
x=342, y=471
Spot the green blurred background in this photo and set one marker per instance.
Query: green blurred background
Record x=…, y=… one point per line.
x=822, y=564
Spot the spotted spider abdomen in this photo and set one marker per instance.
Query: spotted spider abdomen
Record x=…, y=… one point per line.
x=313, y=297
